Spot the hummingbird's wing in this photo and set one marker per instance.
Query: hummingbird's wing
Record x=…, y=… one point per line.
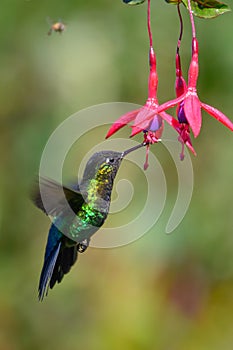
x=56, y=197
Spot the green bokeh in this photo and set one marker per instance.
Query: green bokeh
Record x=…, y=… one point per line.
x=161, y=292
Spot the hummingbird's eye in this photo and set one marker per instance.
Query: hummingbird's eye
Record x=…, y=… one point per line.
x=110, y=160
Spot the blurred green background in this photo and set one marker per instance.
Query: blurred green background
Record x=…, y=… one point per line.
x=165, y=292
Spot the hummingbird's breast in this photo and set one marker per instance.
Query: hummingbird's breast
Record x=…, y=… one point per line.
x=94, y=211
x=84, y=224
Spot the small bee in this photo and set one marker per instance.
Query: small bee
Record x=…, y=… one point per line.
x=57, y=27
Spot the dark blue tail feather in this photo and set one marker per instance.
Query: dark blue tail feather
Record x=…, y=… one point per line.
x=57, y=261
x=47, y=273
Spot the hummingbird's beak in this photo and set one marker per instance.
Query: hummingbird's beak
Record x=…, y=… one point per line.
x=133, y=149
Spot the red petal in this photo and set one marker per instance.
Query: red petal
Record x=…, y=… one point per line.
x=218, y=115
x=136, y=130
x=145, y=115
x=122, y=121
x=143, y=118
x=140, y=127
x=192, y=109
x=170, y=104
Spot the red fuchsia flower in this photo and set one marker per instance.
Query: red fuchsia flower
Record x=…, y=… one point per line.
x=181, y=125
x=189, y=100
x=146, y=119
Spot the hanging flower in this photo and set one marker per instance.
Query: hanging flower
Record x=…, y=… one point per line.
x=191, y=103
x=145, y=119
x=149, y=118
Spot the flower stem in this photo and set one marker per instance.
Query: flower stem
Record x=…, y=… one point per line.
x=181, y=29
x=191, y=19
x=149, y=24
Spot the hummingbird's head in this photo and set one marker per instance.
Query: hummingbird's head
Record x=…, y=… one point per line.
x=105, y=164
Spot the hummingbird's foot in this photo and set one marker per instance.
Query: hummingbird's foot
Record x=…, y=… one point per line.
x=82, y=246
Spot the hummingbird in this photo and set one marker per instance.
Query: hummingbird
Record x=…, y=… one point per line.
x=77, y=212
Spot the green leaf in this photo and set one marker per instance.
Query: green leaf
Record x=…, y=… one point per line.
x=133, y=2
x=207, y=8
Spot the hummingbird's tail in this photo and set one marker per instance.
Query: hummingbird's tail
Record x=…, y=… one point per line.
x=57, y=261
